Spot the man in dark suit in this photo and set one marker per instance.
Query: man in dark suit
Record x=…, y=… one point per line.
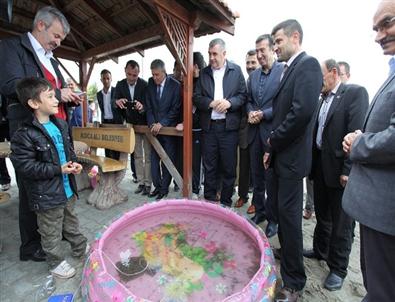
x=130, y=100
x=342, y=109
x=30, y=55
x=369, y=196
x=163, y=106
x=291, y=140
x=105, y=98
x=262, y=85
x=220, y=94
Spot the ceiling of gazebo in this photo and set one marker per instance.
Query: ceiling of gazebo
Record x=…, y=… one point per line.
x=107, y=29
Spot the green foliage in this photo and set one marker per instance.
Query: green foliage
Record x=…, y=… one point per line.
x=92, y=90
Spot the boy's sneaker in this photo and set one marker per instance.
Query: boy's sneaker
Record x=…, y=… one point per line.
x=5, y=187
x=63, y=270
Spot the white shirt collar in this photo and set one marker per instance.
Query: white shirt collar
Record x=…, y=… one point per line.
x=37, y=46
x=108, y=92
x=291, y=59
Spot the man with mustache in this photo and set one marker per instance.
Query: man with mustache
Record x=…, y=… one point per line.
x=369, y=196
x=30, y=55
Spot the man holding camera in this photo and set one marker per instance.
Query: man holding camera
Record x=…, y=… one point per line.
x=130, y=101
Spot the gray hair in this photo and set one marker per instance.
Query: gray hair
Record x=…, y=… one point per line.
x=48, y=14
x=158, y=64
x=331, y=64
x=219, y=42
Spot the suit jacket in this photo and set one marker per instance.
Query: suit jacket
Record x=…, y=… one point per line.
x=166, y=111
x=369, y=196
x=234, y=90
x=346, y=114
x=115, y=112
x=19, y=60
x=264, y=128
x=130, y=114
x=294, y=105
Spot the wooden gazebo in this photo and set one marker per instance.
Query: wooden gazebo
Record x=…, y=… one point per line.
x=107, y=29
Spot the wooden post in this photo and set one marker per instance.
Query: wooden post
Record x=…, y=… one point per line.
x=84, y=84
x=187, y=120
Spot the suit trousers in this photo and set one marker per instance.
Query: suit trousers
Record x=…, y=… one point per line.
x=333, y=231
x=244, y=172
x=377, y=264
x=219, y=159
x=28, y=229
x=161, y=177
x=309, y=205
x=262, y=180
x=142, y=158
x=4, y=134
x=108, y=152
x=196, y=161
x=289, y=197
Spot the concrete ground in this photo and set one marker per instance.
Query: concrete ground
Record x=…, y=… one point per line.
x=20, y=281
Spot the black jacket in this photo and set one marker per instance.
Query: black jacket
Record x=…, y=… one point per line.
x=36, y=161
x=18, y=60
x=117, y=117
x=234, y=90
x=130, y=114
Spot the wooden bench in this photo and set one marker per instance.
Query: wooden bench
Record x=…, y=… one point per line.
x=107, y=192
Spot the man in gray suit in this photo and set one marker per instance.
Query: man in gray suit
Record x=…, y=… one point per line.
x=369, y=196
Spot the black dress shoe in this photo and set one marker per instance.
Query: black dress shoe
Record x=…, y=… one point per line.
x=258, y=218
x=311, y=254
x=153, y=193
x=333, y=282
x=146, y=191
x=277, y=253
x=37, y=256
x=161, y=196
x=271, y=229
x=139, y=189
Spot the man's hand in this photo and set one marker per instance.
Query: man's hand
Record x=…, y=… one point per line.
x=67, y=95
x=266, y=160
x=180, y=127
x=222, y=106
x=349, y=140
x=138, y=106
x=343, y=180
x=156, y=128
x=214, y=103
x=121, y=103
x=255, y=117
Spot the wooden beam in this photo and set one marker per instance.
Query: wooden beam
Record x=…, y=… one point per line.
x=187, y=117
x=222, y=10
x=97, y=10
x=164, y=130
x=145, y=35
x=213, y=21
x=66, y=70
x=175, y=9
x=70, y=5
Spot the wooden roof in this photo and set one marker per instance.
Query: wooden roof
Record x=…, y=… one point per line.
x=107, y=29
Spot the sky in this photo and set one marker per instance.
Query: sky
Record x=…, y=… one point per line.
x=338, y=29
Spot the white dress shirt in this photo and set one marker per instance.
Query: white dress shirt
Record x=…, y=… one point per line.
x=218, y=75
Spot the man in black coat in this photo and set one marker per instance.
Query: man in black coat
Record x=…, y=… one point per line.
x=130, y=101
x=219, y=95
x=30, y=55
x=291, y=141
x=342, y=109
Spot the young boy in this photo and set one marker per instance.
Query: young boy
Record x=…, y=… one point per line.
x=42, y=154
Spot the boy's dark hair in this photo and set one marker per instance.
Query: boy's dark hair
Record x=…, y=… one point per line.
x=199, y=60
x=30, y=88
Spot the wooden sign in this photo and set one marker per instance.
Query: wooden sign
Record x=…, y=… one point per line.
x=117, y=139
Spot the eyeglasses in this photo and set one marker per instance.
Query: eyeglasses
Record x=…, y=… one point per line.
x=385, y=24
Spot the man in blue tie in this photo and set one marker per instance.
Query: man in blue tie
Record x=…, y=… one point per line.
x=163, y=106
